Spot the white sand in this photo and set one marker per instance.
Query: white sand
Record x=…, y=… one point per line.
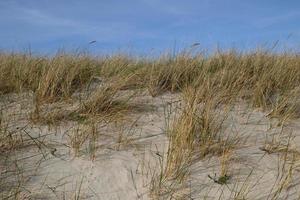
x=124, y=171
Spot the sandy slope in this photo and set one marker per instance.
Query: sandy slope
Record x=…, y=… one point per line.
x=124, y=170
x=119, y=171
x=255, y=173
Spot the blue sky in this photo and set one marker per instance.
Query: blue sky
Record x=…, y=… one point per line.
x=144, y=26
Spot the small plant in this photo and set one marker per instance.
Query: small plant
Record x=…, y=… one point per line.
x=222, y=180
x=224, y=164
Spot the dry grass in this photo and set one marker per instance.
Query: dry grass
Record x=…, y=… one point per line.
x=10, y=140
x=12, y=172
x=63, y=75
x=107, y=99
x=19, y=71
x=209, y=86
x=84, y=134
x=196, y=132
x=264, y=78
x=50, y=78
x=172, y=74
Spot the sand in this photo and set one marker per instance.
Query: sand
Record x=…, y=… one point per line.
x=129, y=152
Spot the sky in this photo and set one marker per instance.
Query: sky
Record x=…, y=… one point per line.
x=145, y=26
